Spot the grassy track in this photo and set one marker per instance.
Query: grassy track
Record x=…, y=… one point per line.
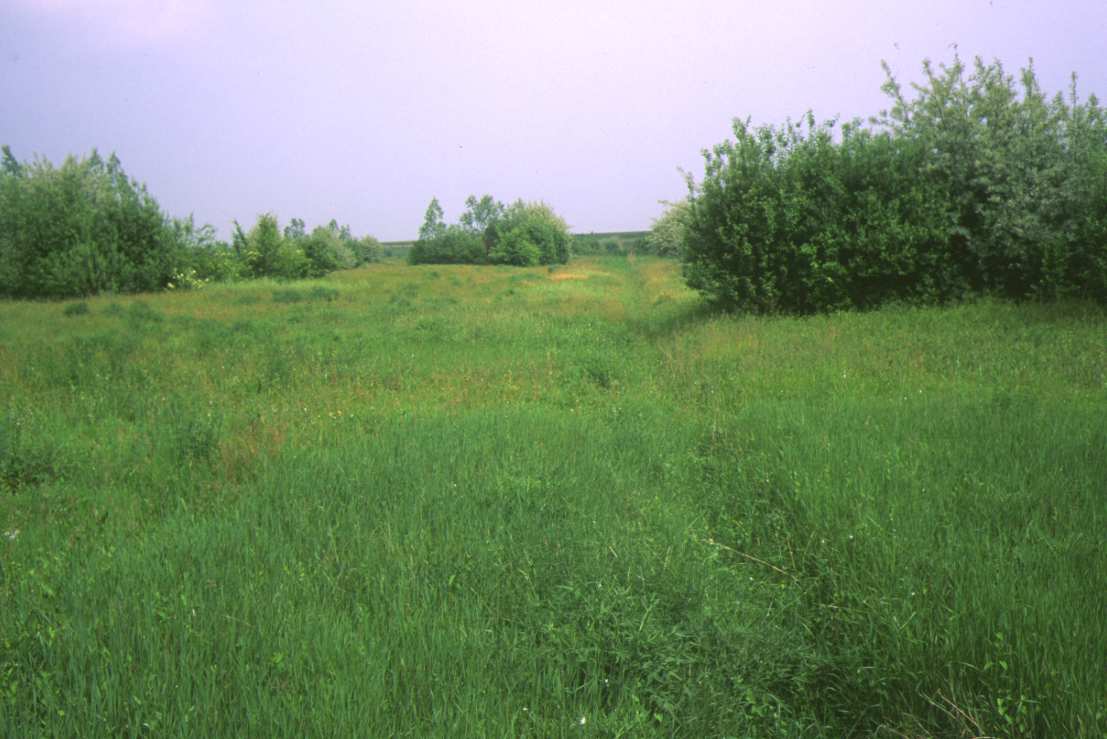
x=478, y=501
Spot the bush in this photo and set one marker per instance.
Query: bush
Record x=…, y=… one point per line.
x=520, y=234
x=265, y=252
x=327, y=251
x=80, y=229
x=669, y=232
x=515, y=247
x=203, y=258
x=451, y=245
x=533, y=224
x=970, y=188
x=367, y=249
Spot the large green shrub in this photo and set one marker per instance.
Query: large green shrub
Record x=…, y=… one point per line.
x=530, y=224
x=327, y=251
x=971, y=187
x=452, y=245
x=520, y=234
x=81, y=228
x=367, y=249
x=669, y=232
x=85, y=227
x=266, y=252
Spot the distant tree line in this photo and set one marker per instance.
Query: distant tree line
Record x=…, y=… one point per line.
x=612, y=244
x=489, y=232
x=85, y=227
x=976, y=185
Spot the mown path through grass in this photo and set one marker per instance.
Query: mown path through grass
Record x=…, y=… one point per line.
x=488, y=501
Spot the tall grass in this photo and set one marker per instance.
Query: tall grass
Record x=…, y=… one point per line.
x=490, y=501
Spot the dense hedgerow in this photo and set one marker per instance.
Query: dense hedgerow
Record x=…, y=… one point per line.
x=974, y=186
x=268, y=251
x=85, y=228
x=617, y=243
x=79, y=229
x=521, y=234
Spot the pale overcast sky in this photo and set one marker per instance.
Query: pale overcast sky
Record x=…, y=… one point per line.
x=363, y=111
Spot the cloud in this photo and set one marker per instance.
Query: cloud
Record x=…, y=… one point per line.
x=131, y=22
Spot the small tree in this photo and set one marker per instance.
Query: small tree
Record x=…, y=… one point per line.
x=481, y=217
x=295, y=230
x=327, y=251
x=268, y=254
x=434, y=223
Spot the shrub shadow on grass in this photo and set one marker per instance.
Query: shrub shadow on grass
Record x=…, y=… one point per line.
x=293, y=295
x=667, y=322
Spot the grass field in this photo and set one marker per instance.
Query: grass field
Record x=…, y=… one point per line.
x=481, y=501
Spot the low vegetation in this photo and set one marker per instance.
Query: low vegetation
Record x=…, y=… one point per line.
x=463, y=501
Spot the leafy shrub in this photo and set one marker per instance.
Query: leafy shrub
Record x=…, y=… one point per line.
x=669, y=232
x=267, y=253
x=204, y=258
x=520, y=234
x=533, y=224
x=450, y=245
x=80, y=229
x=515, y=247
x=327, y=251
x=970, y=188
x=367, y=249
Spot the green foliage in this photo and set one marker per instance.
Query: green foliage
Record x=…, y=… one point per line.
x=971, y=187
x=366, y=250
x=611, y=244
x=85, y=228
x=434, y=224
x=521, y=234
x=327, y=251
x=670, y=232
x=80, y=229
x=204, y=258
x=452, y=245
x=266, y=253
x=481, y=216
x=515, y=247
x=530, y=227
x=295, y=230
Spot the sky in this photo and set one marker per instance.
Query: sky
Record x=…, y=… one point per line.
x=364, y=111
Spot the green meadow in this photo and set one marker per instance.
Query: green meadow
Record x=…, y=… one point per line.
x=486, y=501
